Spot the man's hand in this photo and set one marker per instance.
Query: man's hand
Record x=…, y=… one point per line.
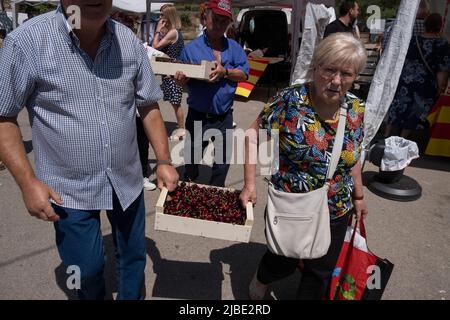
x=248, y=194
x=360, y=209
x=167, y=176
x=180, y=78
x=218, y=73
x=36, y=196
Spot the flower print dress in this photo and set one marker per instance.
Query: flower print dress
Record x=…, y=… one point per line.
x=417, y=87
x=305, y=146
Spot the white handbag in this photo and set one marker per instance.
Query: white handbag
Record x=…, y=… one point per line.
x=298, y=224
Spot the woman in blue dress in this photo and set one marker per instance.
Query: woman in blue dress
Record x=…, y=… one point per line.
x=423, y=79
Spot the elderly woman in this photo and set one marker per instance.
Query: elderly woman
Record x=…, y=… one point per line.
x=306, y=117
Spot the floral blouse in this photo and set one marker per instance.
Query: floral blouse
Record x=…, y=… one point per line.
x=306, y=143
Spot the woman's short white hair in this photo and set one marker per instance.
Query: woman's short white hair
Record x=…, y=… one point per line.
x=339, y=49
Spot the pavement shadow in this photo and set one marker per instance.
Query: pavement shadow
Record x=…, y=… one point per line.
x=432, y=163
x=184, y=279
x=243, y=260
x=203, y=280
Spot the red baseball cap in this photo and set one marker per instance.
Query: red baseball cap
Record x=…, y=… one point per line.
x=221, y=7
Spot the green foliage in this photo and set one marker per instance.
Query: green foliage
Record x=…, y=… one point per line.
x=38, y=9
x=185, y=19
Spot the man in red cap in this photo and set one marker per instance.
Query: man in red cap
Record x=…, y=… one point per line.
x=210, y=102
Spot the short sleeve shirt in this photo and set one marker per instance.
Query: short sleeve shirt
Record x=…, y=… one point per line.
x=82, y=111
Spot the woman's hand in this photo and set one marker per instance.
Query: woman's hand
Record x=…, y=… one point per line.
x=161, y=24
x=248, y=194
x=360, y=209
x=181, y=79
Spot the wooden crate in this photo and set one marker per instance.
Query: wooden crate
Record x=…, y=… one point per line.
x=197, y=71
x=199, y=227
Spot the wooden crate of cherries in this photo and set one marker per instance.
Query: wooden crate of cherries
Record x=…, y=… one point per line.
x=206, y=211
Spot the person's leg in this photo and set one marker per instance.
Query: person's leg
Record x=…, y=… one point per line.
x=271, y=268
x=405, y=133
x=180, y=132
x=179, y=115
x=128, y=231
x=80, y=243
x=193, y=158
x=274, y=267
x=142, y=142
x=389, y=130
x=220, y=168
x=316, y=273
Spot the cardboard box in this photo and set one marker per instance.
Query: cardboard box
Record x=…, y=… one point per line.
x=164, y=66
x=199, y=227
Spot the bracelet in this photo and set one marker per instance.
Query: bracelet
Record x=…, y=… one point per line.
x=167, y=162
x=226, y=74
x=358, y=198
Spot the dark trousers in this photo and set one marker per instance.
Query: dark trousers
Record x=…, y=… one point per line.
x=142, y=142
x=316, y=274
x=218, y=125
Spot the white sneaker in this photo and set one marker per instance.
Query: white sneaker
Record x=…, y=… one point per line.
x=148, y=185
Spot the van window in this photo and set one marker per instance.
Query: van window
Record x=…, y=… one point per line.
x=265, y=29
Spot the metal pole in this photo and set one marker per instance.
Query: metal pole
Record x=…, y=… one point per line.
x=14, y=14
x=147, y=24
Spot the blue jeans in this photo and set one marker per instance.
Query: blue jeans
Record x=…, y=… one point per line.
x=80, y=243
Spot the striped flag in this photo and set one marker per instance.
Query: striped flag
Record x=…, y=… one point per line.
x=439, y=118
x=257, y=67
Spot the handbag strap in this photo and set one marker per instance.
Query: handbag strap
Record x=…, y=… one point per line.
x=338, y=140
x=362, y=227
x=423, y=57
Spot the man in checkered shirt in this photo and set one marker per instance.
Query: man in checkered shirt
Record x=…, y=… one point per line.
x=82, y=86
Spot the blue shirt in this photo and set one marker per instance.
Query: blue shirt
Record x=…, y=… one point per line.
x=82, y=112
x=215, y=97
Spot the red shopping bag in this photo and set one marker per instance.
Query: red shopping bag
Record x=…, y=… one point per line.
x=359, y=274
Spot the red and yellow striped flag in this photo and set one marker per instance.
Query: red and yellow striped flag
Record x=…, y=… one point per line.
x=257, y=67
x=439, y=118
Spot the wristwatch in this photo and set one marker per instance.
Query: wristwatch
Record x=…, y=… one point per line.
x=226, y=74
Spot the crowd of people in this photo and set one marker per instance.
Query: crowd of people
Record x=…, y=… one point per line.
x=95, y=114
